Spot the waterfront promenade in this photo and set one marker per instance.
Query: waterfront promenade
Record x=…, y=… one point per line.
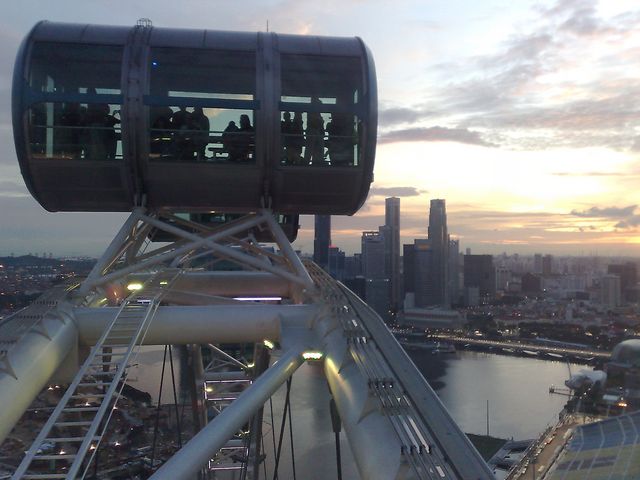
x=526, y=348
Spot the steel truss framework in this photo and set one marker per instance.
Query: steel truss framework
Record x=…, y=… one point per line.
x=395, y=424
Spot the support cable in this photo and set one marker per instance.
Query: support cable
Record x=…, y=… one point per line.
x=273, y=431
x=155, y=429
x=282, y=424
x=175, y=397
x=293, y=455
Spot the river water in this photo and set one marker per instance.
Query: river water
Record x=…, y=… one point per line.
x=520, y=405
x=517, y=389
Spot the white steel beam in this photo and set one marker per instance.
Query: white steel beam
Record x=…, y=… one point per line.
x=202, y=324
x=33, y=360
x=188, y=461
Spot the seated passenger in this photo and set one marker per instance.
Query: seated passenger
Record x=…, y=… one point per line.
x=200, y=123
x=246, y=140
x=340, y=141
x=230, y=141
x=314, y=152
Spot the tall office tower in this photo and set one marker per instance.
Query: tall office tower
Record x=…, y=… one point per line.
x=408, y=268
x=373, y=255
x=628, y=279
x=480, y=273
x=454, y=271
x=336, y=264
x=610, y=294
x=547, y=265
x=322, y=240
x=392, y=244
x=438, y=293
x=423, y=278
x=537, y=263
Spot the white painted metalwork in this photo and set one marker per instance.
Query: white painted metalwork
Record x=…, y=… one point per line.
x=92, y=393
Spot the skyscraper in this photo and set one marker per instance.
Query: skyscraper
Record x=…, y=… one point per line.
x=373, y=254
x=438, y=284
x=322, y=240
x=454, y=271
x=392, y=248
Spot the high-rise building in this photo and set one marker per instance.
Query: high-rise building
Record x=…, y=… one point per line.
x=479, y=272
x=408, y=268
x=423, y=277
x=454, y=271
x=392, y=244
x=537, y=263
x=322, y=240
x=628, y=279
x=610, y=291
x=547, y=265
x=373, y=254
x=438, y=289
x=336, y=263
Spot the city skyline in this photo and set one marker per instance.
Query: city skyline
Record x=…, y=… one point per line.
x=523, y=117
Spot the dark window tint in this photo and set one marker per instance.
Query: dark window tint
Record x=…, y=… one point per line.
x=71, y=68
x=179, y=72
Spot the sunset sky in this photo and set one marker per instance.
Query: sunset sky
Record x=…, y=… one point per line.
x=524, y=116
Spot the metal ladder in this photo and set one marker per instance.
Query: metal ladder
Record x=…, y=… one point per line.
x=80, y=419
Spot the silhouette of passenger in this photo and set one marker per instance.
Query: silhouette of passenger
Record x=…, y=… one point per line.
x=286, y=128
x=70, y=136
x=200, y=123
x=340, y=141
x=314, y=153
x=111, y=136
x=297, y=139
x=38, y=128
x=160, y=135
x=182, y=136
x=246, y=139
x=230, y=141
x=95, y=122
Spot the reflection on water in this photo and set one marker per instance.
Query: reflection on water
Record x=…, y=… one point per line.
x=520, y=405
x=147, y=369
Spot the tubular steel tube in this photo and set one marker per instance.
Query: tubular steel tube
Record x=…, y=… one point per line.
x=33, y=360
x=209, y=324
x=188, y=461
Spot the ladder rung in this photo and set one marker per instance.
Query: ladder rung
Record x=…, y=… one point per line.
x=63, y=456
x=87, y=395
x=68, y=439
x=104, y=364
x=72, y=424
x=80, y=409
x=102, y=374
x=116, y=354
x=35, y=476
x=117, y=345
x=93, y=384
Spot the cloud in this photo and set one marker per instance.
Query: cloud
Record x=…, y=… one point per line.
x=396, y=191
x=401, y=115
x=563, y=80
x=434, y=134
x=607, y=212
x=590, y=174
x=9, y=188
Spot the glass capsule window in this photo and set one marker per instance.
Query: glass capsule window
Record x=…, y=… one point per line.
x=75, y=131
x=320, y=110
x=202, y=106
x=74, y=100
